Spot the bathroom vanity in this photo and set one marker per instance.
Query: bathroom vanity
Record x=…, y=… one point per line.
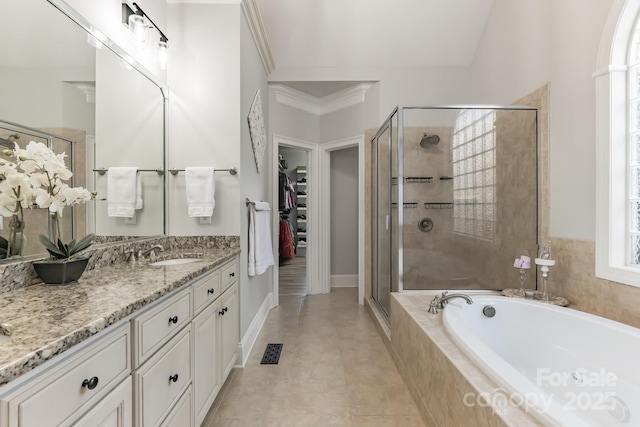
x=129, y=345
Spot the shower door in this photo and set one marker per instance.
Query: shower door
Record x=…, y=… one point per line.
x=382, y=223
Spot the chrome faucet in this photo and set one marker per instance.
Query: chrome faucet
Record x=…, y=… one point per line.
x=132, y=255
x=439, y=302
x=151, y=252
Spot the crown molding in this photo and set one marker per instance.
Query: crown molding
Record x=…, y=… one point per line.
x=89, y=90
x=254, y=20
x=320, y=106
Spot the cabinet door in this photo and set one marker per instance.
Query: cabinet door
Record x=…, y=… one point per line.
x=160, y=382
x=206, y=379
x=229, y=325
x=112, y=411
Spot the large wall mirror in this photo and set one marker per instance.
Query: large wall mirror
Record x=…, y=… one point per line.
x=99, y=109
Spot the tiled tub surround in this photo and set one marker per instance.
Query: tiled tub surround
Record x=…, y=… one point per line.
x=46, y=320
x=449, y=389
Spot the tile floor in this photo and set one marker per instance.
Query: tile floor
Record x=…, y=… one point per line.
x=334, y=370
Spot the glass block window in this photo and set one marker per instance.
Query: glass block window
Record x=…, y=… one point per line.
x=633, y=157
x=474, y=164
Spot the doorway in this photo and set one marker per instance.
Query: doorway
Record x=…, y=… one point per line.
x=293, y=220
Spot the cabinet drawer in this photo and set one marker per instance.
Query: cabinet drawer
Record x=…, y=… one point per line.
x=112, y=411
x=229, y=274
x=155, y=327
x=205, y=290
x=162, y=379
x=78, y=382
x=181, y=414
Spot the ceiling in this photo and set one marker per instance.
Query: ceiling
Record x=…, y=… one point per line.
x=368, y=34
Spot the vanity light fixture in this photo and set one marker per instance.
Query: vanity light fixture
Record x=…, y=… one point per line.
x=138, y=22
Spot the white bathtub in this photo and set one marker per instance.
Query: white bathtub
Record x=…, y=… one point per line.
x=565, y=367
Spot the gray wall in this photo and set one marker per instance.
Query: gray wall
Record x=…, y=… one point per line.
x=344, y=211
x=254, y=186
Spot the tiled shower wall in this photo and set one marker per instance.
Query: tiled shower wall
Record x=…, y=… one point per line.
x=442, y=258
x=573, y=276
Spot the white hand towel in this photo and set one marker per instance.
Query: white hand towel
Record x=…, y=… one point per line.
x=200, y=185
x=122, y=185
x=260, y=250
x=139, y=203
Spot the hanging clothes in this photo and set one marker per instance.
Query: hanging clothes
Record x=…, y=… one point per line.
x=286, y=193
x=286, y=241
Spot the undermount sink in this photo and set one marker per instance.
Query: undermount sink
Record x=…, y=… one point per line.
x=174, y=261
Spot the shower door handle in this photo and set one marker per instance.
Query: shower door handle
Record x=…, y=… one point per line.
x=386, y=222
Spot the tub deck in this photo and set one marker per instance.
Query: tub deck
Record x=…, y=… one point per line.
x=447, y=386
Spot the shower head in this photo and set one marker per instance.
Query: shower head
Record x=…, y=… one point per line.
x=429, y=140
x=9, y=141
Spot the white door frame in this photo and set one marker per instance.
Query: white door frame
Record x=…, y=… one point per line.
x=313, y=242
x=325, y=210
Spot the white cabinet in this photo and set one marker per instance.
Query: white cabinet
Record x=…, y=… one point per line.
x=157, y=324
x=229, y=332
x=206, y=375
x=61, y=395
x=115, y=410
x=215, y=332
x=181, y=415
x=158, y=384
x=163, y=367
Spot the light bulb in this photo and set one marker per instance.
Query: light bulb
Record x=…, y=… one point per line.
x=162, y=54
x=138, y=28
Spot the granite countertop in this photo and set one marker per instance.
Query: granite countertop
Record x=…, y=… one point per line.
x=46, y=320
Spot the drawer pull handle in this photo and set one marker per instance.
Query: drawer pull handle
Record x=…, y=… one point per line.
x=90, y=383
x=225, y=309
x=221, y=312
x=173, y=319
x=211, y=291
x=173, y=378
x=232, y=274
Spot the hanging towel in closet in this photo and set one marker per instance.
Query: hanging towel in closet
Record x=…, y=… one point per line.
x=260, y=251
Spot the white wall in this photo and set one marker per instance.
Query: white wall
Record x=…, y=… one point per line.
x=526, y=44
x=129, y=132
x=254, y=186
x=344, y=211
x=204, y=78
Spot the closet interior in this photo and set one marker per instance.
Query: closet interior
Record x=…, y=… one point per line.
x=292, y=208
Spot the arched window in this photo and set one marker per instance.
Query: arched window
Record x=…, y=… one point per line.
x=618, y=146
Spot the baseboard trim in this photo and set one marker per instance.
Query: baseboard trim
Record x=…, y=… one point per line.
x=344, y=280
x=249, y=339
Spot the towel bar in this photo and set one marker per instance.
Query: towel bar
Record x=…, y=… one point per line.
x=232, y=171
x=249, y=202
x=159, y=171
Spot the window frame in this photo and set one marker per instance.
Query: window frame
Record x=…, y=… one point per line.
x=612, y=142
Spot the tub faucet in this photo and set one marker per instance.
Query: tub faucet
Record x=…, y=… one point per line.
x=439, y=302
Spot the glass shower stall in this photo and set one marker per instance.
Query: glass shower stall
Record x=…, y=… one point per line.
x=454, y=193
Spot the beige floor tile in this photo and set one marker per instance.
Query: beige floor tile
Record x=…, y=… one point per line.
x=386, y=421
x=334, y=370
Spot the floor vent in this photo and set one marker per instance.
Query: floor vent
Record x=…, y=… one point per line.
x=271, y=354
